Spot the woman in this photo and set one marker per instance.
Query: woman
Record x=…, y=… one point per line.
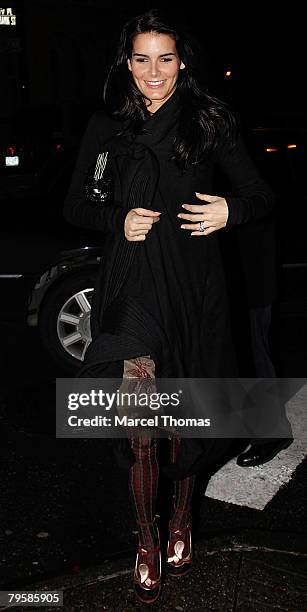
x=160, y=306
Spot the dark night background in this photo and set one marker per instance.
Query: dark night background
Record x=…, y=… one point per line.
x=54, y=61
x=64, y=504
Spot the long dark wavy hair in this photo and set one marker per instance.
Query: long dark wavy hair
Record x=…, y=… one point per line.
x=204, y=119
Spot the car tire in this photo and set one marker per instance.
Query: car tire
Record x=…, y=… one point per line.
x=64, y=314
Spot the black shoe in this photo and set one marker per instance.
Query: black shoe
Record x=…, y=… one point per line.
x=261, y=453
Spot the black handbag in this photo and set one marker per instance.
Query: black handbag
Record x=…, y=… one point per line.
x=99, y=184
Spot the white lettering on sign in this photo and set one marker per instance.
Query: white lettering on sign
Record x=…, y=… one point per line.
x=7, y=17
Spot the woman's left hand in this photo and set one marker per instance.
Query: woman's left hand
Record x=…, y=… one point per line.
x=214, y=214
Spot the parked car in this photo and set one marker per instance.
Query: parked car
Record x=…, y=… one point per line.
x=48, y=267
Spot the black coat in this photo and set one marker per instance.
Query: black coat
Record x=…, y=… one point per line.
x=165, y=296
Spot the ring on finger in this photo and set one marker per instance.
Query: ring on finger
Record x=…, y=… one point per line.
x=201, y=226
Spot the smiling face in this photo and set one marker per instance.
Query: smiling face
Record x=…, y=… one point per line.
x=155, y=66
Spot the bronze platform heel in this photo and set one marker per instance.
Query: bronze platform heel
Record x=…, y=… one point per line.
x=179, y=556
x=147, y=575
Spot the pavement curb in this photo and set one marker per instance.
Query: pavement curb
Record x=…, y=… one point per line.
x=245, y=542
x=230, y=573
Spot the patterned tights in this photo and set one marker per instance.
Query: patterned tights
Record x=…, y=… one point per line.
x=144, y=474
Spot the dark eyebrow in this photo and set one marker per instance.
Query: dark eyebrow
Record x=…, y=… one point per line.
x=143, y=54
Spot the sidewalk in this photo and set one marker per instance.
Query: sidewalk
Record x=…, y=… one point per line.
x=230, y=574
x=251, y=543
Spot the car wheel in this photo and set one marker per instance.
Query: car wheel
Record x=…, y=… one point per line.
x=64, y=319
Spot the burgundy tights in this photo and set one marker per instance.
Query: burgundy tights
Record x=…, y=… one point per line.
x=144, y=474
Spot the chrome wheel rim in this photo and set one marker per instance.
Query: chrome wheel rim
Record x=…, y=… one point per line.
x=73, y=324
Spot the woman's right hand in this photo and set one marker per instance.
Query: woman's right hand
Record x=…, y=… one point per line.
x=139, y=222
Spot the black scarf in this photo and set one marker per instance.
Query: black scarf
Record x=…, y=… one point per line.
x=136, y=173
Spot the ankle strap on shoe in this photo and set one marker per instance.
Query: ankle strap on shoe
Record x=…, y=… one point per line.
x=188, y=526
x=147, y=551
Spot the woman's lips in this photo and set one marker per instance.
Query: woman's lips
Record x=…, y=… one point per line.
x=154, y=85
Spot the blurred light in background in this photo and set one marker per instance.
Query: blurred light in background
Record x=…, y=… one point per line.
x=12, y=161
